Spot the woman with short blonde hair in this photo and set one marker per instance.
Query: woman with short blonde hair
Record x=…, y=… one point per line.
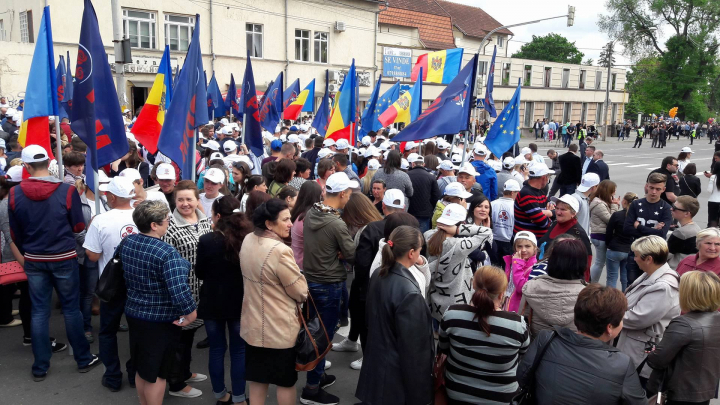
x=690, y=344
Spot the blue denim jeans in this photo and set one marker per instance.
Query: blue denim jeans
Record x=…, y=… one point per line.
x=327, y=298
x=632, y=270
x=89, y=275
x=64, y=276
x=567, y=189
x=110, y=316
x=424, y=224
x=598, y=259
x=218, y=345
x=615, y=262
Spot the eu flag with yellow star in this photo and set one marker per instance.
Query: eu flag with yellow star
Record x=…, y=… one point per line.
x=383, y=103
x=505, y=131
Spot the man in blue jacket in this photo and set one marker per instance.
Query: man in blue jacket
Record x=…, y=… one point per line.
x=46, y=218
x=486, y=175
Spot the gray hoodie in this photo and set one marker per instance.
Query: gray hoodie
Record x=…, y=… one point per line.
x=324, y=236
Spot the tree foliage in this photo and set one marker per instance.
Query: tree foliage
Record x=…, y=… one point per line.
x=552, y=47
x=588, y=62
x=603, y=60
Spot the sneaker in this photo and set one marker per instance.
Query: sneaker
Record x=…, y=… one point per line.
x=318, y=398
x=203, y=344
x=198, y=377
x=123, y=328
x=89, y=337
x=346, y=345
x=14, y=322
x=327, y=380
x=28, y=341
x=39, y=377
x=93, y=363
x=58, y=347
x=107, y=385
x=357, y=364
x=328, y=364
x=193, y=393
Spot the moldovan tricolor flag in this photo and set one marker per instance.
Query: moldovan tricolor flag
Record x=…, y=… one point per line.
x=438, y=67
x=150, y=121
x=406, y=109
x=41, y=98
x=344, y=109
x=303, y=102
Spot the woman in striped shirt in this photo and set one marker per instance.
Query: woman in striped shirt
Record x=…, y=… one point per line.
x=483, y=343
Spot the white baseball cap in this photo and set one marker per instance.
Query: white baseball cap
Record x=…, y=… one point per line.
x=366, y=140
x=227, y=130
x=508, y=162
x=293, y=138
x=324, y=152
x=247, y=160
x=442, y=144
x=511, y=185
x=468, y=168
x=342, y=144
x=224, y=121
x=338, y=182
x=384, y=146
x=373, y=164
x=404, y=164
x=103, y=178
x=213, y=145
x=527, y=235
x=328, y=142
x=447, y=165
x=165, y=171
x=215, y=175
x=372, y=151
x=480, y=149
x=525, y=151
x=15, y=173
x=452, y=214
x=569, y=200
x=229, y=146
x=537, y=169
x=520, y=160
x=34, y=153
x=120, y=187
x=131, y=174
x=456, y=158
x=456, y=189
x=411, y=145
x=216, y=155
x=686, y=150
x=415, y=158
x=394, y=198
x=589, y=180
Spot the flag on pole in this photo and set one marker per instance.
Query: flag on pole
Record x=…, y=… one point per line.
x=150, y=121
x=320, y=122
x=41, y=93
x=290, y=95
x=303, y=102
x=60, y=80
x=253, y=130
x=188, y=109
x=271, y=107
x=384, y=102
x=407, y=108
x=69, y=84
x=438, y=67
x=489, y=102
x=449, y=113
x=232, y=100
x=344, y=109
x=96, y=116
x=368, y=116
x=216, y=103
x=505, y=131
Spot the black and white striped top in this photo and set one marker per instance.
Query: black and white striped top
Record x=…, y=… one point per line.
x=481, y=368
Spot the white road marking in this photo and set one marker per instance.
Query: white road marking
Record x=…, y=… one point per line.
x=641, y=165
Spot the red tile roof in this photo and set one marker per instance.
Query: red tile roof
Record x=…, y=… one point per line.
x=433, y=23
x=472, y=21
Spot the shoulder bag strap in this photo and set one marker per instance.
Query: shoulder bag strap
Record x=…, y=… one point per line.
x=538, y=358
x=688, y=186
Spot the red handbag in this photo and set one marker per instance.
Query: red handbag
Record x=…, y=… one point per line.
x=11, y=273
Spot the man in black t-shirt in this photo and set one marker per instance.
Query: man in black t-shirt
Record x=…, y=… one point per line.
x=668, y=168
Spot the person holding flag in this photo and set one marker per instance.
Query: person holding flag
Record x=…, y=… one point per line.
x=152, y=116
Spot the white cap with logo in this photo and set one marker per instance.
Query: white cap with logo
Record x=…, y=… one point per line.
x=468, y=168
x=213, y=145
x=456, y=189
x=452, y=214
x=342, y=144
x=394, y=198
x=131, y=174
x=447, y=165
x=165, y=171
x=338, y=182
x=119, y=187
x=537, y=169
x=215, y=175
x=589, y=181
x=569, y=200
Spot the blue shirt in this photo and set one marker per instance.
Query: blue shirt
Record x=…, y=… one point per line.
x=156, y=277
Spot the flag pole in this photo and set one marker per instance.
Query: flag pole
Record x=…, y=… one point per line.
x=58, y=153
x=192, y=155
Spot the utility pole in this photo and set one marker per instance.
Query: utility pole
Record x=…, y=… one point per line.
x=58, y=134
x=117, y=23
x=608, y=61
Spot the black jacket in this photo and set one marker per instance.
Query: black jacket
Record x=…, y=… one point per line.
x=398, y=363
x=365, y=252
x=690, y=185
x=312, y=155
x=615, y=237
x=221, y=294
x=425, y=192
x=601, y=168
x=579, y=370
x=689, y=353
x=570, y=169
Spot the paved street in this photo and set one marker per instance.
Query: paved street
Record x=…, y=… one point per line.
x=64, y=385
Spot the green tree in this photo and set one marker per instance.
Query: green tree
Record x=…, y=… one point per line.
x=588, y=62
x=551, y=47
x=607, y=51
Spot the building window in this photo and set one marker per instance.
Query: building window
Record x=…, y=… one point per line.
x=566, y=78
x=583, y=112
x=548, y=111
x=302, y=45
x=614, y=112
x=598, y=79
x=599, y=114
x=529, y=112
x=500, y=41
x=321, y=47
x=26, y=27
x=505, y=73
x=178, y=31
x=566, y=112
x=482, y=69
x=527, y=80
x=583, y=76
x=613, y=79
x=139, y=26
x=254, y=39
x=547, y=77
x=2, y=31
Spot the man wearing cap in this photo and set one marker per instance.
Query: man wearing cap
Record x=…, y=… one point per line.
x=466, y=177
x=46, y=218
x=505, y=173
x=503, y=217
x=446, y=171
x=312, y=155
x=426, y=192
x=532, y=212
x=487, y=178
x=570, y=171
x=598, y=166
x=327, y=243
x=213, y=180
x=11, y=125
x=165, y=174
x=442, y=147
x=588, y=186
x=275, y=147
x=342, y=146
x=104, y=235
x=287, y=151
x=341, y=165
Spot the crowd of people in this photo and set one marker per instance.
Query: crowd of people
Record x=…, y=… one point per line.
x=472, y=273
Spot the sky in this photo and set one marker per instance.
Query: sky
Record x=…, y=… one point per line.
x=585, y=32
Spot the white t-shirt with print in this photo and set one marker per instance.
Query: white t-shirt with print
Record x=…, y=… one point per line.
x=503, y=219
x=207, y=203
x=106, y=232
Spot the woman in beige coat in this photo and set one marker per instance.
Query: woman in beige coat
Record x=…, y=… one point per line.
x=270, y=321
x=602, y=206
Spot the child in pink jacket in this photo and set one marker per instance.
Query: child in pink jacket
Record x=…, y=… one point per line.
x=518, y=267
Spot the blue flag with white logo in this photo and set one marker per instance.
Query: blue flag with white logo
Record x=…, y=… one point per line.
x=96, y=117
x=232, y=105
x=271, y=107
x=489, y=102
x=320, y=122
x=449, y=113
x=291, y=93
x=61, y=77
x=216, y=104
x=253, y=130
x=187, y=111
x=505, y=131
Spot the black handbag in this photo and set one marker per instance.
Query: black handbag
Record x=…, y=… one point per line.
x=313, y=342
x=526, y=395
x=111, y=285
